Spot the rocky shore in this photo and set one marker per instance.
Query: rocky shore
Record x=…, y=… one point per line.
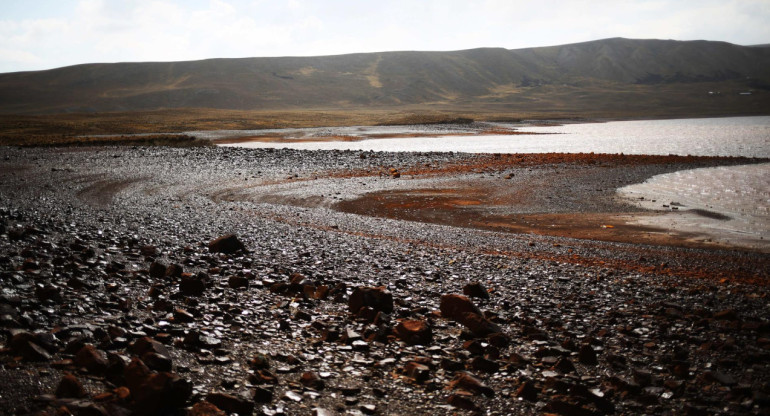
x=210, y=281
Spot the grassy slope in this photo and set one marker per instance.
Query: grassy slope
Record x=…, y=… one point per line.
x=612, y=78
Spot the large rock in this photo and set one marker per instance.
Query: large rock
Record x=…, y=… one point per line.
x=205, y=409
x=460, y=309
x=93, y=359
x=475, y=290
x=466, y=381
x=158, y=269
x=414, y=332
x=377, y=298
x=155, y=393
x=311, y=380
x=70, y=388
x=26, y=345
x=160, y=393
x=232, y=404
x=193, y=285
x=454, y=306
x=227, y=244
x=478, y=325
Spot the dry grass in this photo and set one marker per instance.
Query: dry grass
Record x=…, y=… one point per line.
x=170, y=140
x=544, y=103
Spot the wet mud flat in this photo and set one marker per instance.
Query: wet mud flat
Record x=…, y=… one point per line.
x=118, y=297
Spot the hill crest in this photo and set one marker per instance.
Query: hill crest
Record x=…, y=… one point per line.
x=482, y=76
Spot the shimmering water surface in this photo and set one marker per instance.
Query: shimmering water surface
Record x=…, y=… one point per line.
x=732, y=136
x=740, y=194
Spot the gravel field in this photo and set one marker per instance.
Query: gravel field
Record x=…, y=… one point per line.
x=122, y=294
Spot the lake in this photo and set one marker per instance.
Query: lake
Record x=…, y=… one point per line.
x=740, y=194
x=731, y=136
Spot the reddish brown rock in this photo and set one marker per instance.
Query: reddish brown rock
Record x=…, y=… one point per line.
x=476, y=290
x=70, y=388
x=484, y=365
x=414, y=332
x=237, y=282
x=311, y=380
x=192, y=285
x=527, y=391
x=146, y=344
x=175, y=270
x=455, y=306
x=263, y=395
x=48, y=292
x=231, y=404
x=417, y=371
x=94, y=360
x=25, y=345
x=205, y=409
x=478, y=325
x=587, y=355
x=568, y=406
x=564, y=365
x=181, y=315
x=726, y=315
x=462, y=402
x=263, y=377
x=260, y=361
x=157, y=269
x=161, y=391
x=466, y=381
x=136, y=374
x=377, y=298
x=227, y=244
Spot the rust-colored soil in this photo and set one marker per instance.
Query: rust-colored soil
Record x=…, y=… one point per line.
x=284, y=138
x=562, y=195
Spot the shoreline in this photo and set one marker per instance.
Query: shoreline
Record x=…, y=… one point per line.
x=50, y=129
x=107, y=256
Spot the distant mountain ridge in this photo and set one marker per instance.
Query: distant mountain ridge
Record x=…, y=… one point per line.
x=484, y=75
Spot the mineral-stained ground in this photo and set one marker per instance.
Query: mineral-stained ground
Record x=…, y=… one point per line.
x=363, y=283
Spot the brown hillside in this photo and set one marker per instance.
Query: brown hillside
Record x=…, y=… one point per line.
x=607, y=73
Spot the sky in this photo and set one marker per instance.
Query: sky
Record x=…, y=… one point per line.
x=44, y=34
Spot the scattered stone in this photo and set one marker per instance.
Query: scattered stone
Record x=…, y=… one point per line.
x=205, y=409
x=26, y=345
x=292, y=395
x=377, y=298
x=478, y=325
x=465, y=381
x=726, y=315
x=419, y=373
x=414, y=332
x=157, y=269
x=160, y=391
x=175, y=270
x=462, y=402
x=231, y=404
x=369, y=409
x=454, y=307
x=193, y=285
x=181, y=315
x=92, y=359
x=484, y=365
x=237, y=282
x=227, y=244
x=260, y=361
x=263, y=395
x=70, y=388
x=311, y=380
x=475, y=290
x=587, y=355
x=527, y=391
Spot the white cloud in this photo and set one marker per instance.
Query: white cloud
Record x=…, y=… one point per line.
x=141, y=30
